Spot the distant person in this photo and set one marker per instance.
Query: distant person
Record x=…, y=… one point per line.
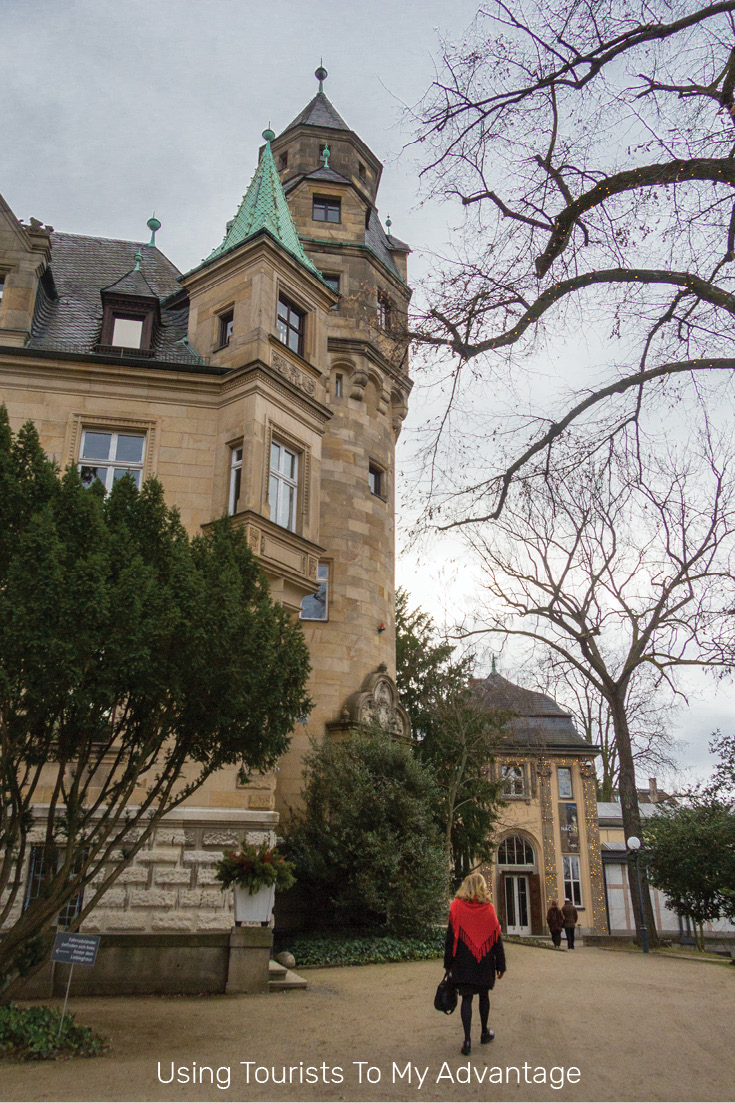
x=473, y=952
x=555, y=919
x=570, y=921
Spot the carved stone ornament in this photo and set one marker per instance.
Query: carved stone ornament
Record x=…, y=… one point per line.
x=377, y=699
x=586, y=769
x=289, y=371
x=543, y=769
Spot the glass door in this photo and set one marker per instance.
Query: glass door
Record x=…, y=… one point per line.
x=517, y=918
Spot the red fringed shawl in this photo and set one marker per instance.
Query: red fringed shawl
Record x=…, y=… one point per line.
x=476, y=925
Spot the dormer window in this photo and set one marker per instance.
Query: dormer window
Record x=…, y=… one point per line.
x=127, y=332
x=325, y=209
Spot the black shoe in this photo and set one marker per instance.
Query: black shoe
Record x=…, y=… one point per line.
x=466, y=1049
x=486, y=1036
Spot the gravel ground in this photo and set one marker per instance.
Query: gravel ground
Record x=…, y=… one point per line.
x=635, y=1028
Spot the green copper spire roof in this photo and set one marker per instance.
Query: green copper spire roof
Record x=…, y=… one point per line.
x=264, y=207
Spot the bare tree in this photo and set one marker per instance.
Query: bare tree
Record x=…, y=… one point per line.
x=623, y=574
x=651, y=710
x=591, y=146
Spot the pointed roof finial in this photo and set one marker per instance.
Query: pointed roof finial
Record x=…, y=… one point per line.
x=325, y=155
x=138, y=259
x=321, y=75
x=388, y=224
x=153, y=225
x=268, y=134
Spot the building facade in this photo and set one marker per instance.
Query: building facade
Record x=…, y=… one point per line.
x=268, y=383
x=548, y=837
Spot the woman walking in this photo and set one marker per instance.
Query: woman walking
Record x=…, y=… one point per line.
x=473, y=952
x=555, y=920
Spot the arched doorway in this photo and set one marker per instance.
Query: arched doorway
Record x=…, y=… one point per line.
x=519, y=890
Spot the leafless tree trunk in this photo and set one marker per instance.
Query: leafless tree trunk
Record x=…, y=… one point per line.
x=615, y=570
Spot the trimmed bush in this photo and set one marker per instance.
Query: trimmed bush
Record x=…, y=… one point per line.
x=369, y=949
x=32, y=1034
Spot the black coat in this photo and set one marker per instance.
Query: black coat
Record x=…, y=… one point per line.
x=466, y=969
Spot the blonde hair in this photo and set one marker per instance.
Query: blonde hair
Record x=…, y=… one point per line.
x=474, y=887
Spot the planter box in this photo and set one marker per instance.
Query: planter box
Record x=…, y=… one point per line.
x=254, y=907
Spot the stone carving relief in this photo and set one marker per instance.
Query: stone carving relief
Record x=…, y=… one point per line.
x=377, y=699
x=289, y=371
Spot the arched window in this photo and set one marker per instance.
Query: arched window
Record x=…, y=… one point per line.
x=515, y=851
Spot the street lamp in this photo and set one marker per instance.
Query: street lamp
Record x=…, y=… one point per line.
x=634, y=846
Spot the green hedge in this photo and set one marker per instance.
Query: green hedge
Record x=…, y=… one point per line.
x=368, y=949
x=32, y=1034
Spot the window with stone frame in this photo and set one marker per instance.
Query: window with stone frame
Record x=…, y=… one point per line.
x=225, y=327
x=291, y=323
x=283, y=485
x=376, y=480
x=326, y=209
x=106, y=455
x=316, y=606
x=235, y=478
x=564, y=782
x=514, y=780
x=37, y=873
x=385, y=311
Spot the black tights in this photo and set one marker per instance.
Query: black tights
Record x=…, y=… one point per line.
x=466, y=1012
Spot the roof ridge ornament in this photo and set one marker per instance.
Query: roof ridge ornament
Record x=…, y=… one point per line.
x=138, y=259
x=154, y=226
x=325, y=155
x=321, y=75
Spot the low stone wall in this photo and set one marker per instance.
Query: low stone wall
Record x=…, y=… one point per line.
x=164, y=964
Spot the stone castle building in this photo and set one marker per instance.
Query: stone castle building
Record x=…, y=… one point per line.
x=270, y=383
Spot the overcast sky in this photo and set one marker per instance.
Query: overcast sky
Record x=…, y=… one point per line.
x=114, y=109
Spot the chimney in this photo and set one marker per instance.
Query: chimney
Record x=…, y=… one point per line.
x=653, y=790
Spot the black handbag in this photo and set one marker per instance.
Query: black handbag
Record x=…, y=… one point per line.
x=446, y=996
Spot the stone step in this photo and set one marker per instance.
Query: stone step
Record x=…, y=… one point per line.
x=281, y=979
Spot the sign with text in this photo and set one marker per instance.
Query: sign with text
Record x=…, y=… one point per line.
x=75, y=949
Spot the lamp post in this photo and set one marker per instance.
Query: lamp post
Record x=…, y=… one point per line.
x=634, y=846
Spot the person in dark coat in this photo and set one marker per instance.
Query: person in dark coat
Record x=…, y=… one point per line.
x=570, y=922
x=473, y=952
x=555, y=919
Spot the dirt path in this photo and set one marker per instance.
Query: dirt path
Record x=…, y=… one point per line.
x=636, y=1028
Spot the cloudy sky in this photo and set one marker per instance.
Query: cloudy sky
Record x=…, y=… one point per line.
x=114, y=109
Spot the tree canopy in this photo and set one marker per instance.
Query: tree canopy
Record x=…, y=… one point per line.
x=367, y=849
x=588, y=145
x=134, y=662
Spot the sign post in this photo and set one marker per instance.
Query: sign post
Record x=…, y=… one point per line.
x=74, y=949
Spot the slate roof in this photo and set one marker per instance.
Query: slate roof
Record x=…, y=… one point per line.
x=536, y=719
x=133, y=283
x=318, y=112
x=377, y=240
x=264, y=207
x=68, y=313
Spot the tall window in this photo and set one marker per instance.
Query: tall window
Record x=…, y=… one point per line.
x=384, y=311
x=572, y=880
x=316, y=605
x=291, y=325
x=226, y=323
x=515, y=851
x=514, y=781
x=283, y=485
x=376, y=480
x=235, y=478
x=127, y=332
x=106, y=457
x=564, y=778
x=326, y=210
x=2, y=287
x=37, y=872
